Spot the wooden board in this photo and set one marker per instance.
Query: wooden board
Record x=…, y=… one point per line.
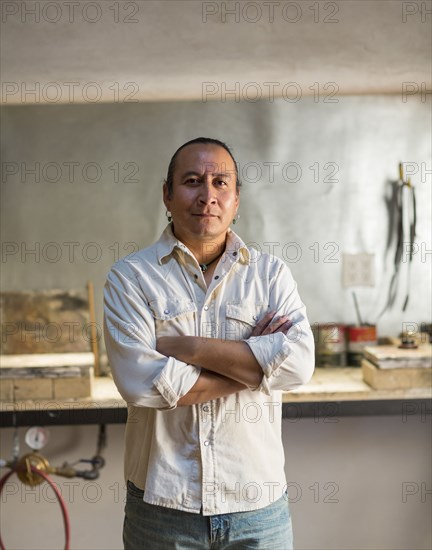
x=393, y=357
x=48, y=345
x=46, y=376
x=45, y=360
x=46, y=365
x=13, y=390
x=393, y=379
x=45, y=321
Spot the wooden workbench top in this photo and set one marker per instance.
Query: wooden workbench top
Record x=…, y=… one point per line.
x=346, y=384
x=327, y=384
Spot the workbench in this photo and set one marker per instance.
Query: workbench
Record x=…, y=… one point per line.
x=332, y=393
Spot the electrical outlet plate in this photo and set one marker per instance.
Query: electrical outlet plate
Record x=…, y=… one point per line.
x=358, y=270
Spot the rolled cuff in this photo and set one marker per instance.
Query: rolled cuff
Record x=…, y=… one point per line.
x=175, y=380
x=287, y=361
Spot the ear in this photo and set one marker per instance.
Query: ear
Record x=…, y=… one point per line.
x=166, y=197
x=237, y=200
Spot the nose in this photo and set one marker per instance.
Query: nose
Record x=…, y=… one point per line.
x=207, y=192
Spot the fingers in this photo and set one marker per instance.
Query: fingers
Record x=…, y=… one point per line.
x=285, y=327
x=276, y=325
x=263, y=323
x=270, y=324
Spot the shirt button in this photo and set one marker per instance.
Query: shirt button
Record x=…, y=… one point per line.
x=234, y=253
x=166, y=311
x=206, y=308
x=255, y=317
x=206, y=408
x=196, y=276
x=206, y=442
x=217, y=277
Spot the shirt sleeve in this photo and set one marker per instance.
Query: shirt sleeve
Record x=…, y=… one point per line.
x=287, y=360
x=143, y=376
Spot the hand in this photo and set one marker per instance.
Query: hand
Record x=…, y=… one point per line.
x=270, y=324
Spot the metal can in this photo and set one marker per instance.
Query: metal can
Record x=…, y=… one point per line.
x=358, y=338
x=330, y=344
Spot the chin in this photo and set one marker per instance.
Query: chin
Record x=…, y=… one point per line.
x=208, y=231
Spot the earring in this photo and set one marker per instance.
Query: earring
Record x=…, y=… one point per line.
x=168, y=215
x=235, y=220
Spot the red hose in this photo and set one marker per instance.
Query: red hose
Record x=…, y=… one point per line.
x=59, y=498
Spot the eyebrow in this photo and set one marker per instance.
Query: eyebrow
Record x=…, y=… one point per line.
x=217, y=174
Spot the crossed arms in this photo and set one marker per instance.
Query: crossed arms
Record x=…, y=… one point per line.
x=228, y=366
x=146, y=369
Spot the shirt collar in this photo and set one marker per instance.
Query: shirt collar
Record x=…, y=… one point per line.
x=168, y=243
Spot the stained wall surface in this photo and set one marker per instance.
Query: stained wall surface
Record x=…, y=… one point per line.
x=81, y=187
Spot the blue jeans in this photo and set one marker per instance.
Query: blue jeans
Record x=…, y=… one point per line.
x=150, y=527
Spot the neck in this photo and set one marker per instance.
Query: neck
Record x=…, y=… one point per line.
x=206, y=265
x=206, y=251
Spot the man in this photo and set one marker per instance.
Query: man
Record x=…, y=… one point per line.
x=203, y=334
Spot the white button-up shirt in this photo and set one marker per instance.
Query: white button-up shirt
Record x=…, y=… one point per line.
x=225, y=455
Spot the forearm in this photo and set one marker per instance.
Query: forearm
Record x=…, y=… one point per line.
x=210, y=386
x=229, y=358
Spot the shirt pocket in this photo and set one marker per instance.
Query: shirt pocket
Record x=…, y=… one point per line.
x=174, y=317
x=241, y=318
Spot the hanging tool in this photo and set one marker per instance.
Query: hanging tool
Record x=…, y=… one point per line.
x=401, y=206
x=359, y=318
x=410, y=220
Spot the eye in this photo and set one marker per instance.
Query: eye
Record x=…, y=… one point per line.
x=221, y=183
x=192, y=181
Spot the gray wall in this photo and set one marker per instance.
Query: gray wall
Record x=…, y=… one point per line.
x=354, y=483
x=356, y=142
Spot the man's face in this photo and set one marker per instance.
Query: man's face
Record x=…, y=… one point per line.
x=204, y=198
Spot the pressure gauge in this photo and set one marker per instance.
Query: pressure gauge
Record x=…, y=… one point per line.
x=36, y=437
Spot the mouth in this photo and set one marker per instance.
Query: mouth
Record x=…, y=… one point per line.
x=205, y=215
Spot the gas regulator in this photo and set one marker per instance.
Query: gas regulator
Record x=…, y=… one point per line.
x=33, y=468
x=29, y=465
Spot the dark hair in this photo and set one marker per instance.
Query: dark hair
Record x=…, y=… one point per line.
x=204, y=141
